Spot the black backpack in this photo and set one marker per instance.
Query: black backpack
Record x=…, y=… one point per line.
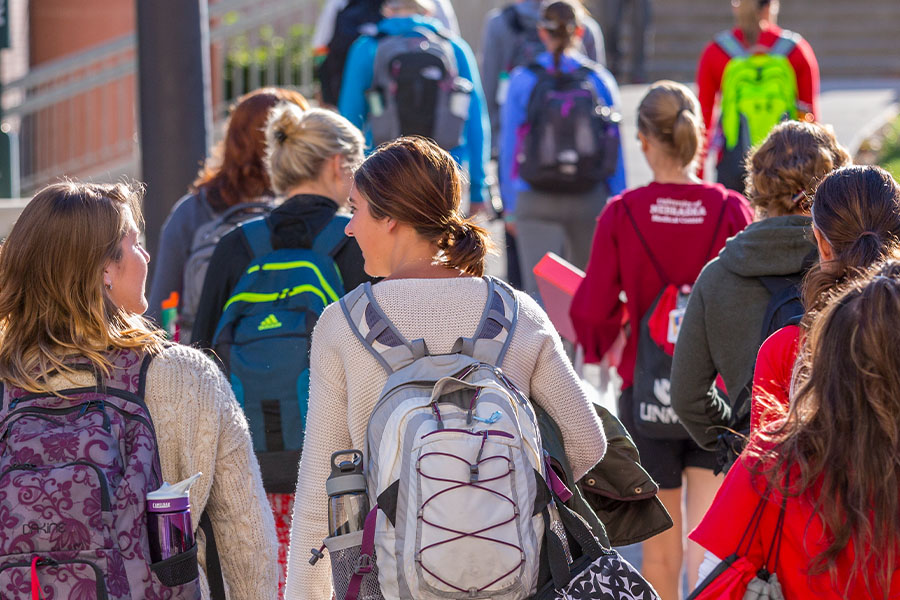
x=785, y=308
x=572, y=144
x=356, y=18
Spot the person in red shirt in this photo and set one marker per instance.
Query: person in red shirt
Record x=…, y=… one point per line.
x=832, y=463
x=683, y=222
x=757, y=30
x=856, y=222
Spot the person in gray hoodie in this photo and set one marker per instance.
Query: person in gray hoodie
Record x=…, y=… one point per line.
x=720, y=334
x=510, y=40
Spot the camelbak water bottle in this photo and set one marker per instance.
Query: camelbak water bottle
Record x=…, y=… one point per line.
x=169, y=523
x=348, y=503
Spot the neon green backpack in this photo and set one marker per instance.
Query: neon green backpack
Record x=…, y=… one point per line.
x=758, y=90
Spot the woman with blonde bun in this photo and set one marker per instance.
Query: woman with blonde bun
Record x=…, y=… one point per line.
x=648, y=240
x=309, y=158
x=407, y=220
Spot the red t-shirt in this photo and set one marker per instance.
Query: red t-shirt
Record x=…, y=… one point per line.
x=678, y=222
x=712, y=66
x=772, y=375
x=729, y=516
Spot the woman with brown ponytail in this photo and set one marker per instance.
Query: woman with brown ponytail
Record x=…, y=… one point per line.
x=406, y=218
x=757, y=32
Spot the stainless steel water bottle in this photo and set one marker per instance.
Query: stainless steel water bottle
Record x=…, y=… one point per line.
x=169, y=524
x=348, y=503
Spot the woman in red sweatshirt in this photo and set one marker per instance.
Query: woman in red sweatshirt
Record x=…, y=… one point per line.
x=757, y=33
x=856, y=222
x=647, y=239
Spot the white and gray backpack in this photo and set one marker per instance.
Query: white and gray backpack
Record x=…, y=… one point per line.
x=416, y=89
x=453, y=461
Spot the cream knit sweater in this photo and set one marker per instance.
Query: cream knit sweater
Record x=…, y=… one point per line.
x=346, y=381
x=201, y=428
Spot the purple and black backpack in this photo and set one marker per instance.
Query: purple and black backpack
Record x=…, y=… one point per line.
x=75, y=470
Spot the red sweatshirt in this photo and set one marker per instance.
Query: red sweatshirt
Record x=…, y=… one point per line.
x=712, y=66
x=678, y=222
x=772, y=375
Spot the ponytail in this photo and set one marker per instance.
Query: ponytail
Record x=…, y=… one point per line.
x=670, y=113
x=465, y=246
x=560, y=19
x=748, y=19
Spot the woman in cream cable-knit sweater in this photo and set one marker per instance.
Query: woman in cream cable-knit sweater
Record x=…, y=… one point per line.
x=72, y=276
x=408, y=225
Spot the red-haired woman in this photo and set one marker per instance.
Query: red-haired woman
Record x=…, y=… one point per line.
x=235, y=173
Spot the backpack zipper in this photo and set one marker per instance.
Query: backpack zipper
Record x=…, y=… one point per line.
x=40, y=410
x=105, y=503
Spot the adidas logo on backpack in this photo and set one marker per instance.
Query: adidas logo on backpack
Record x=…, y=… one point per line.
x=454, y=460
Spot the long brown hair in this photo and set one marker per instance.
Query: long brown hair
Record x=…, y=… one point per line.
x=782, y=174
x=414, y=181
x=857, y=210
x=748, y=19
x=840, y=442
x=235, y=171
x=561, y=19
x=52, y=301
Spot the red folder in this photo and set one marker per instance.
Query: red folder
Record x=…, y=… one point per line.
x=557, y=281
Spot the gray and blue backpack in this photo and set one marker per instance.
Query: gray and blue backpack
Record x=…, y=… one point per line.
x=263, y=340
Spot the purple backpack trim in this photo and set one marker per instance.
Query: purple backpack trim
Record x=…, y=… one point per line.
x=74, y=476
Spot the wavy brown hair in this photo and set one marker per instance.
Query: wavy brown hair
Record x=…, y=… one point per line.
x=414, y=181
x=840, y=440
x=783, y=173
x=236, y=171
x=53, y=304
x=857, y=210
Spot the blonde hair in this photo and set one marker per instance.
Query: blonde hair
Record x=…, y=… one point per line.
x=670, y=113
x=298, y=142
x=783, y=173
x=53, y=304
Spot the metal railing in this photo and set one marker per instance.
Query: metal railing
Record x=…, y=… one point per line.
x=76, y=116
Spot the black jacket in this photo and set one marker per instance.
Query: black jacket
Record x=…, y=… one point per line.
x=294, y=224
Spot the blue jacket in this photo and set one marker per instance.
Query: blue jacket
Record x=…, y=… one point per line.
x=513, y=115
x=474, y=152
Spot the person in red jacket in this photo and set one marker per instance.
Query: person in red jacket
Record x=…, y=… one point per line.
x=831, y=463
x=757, y=31
x=856, y=222
x=683, y=223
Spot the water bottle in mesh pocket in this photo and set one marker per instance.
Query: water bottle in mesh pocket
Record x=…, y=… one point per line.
x=344, y=551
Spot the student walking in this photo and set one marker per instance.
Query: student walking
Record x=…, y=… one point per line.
x=856, y=223
x=560, y=150
x=407, y=221
x=230, y=187
x=641, y=32
x=651, y=243
x=724, y=323
x=414, y=78
x=756, y=74
x=98, y=411
x=819, y=485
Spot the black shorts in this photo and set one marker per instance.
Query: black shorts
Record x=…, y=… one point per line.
x=664, y=460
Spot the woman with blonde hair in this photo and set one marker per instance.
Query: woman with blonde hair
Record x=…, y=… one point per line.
x=309, y=159
x=98, y=410
x=649, y=240
x=234, y=176
x=407, y=220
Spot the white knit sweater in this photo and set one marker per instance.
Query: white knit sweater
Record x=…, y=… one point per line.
x=201, y=428
x=346, y=381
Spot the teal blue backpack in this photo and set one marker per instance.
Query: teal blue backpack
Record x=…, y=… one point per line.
x=263, y=340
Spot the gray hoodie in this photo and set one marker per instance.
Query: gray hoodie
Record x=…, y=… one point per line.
x=498, y=45
x=721, y=328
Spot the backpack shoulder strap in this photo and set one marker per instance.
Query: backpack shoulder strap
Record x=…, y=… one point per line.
x=785, y=43
x=377, y=333
x=495, y=330
x=331, y=238
x=258, y=236
x=656, y=266
x=727, y=41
